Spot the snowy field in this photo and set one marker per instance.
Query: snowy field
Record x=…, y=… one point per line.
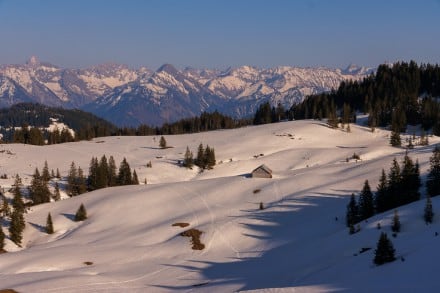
x=298, y=243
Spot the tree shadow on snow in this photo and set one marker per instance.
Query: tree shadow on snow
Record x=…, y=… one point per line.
x=69, y=216
x=38, y=227
x=280, y=263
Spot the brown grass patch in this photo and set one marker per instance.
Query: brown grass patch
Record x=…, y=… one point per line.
x=8, y=291
x=180, y=224
x=195, y=238
x=88, y=263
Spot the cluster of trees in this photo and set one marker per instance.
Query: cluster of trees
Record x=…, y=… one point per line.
x=400, y=187
x=205, y=158
x=390, y=97
x=266, y=114
x=205, y=122
x=102, y=174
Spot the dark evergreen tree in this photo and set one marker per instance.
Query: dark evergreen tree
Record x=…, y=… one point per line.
x=200, y=157
x=72, y=179
x=56, y=194
x=352, y=216
x=382, y=199
x=102, y=173
x=5, y=209
x=81, y=214
x=80, y=182
x=394, y=187
x=395, y=140
x=58, y=175
x=45, y=173
x=433, y=180
x=49, y=224
x=366, y=202
x=17, y=224
x=409, y=182
x=188, y=160
x=209, y=158
x=162, y=142
x=385, y=250
x=395, y=227
x=39, y=190
x=124, y=174
x=92, y=179
x=135, y=180
x=428, y=214
x=112, y=177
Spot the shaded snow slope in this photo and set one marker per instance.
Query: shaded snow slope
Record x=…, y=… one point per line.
x=295, y=243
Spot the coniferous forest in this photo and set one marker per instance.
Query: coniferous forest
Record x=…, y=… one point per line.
x=397, y=95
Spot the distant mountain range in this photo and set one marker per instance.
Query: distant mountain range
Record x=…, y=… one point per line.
x=129, y=97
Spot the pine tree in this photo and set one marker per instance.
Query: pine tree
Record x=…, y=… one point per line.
x=395, y=140
x=385, y=250
x=428, y=213
x=81, y=214
x=6, y=211
x=71, y=187
x=80, y=182
x=382, y=197
x=433, y=181
x=162, y=142
x=409, y=182
x=124, y=174
x=188, y=160
x=56, y=194
x=395, y=227
x=352, y=216
x=135, y=180
x=39, y=190
x=45, y=173
x=17, y=224
x=112, y=177
x=52, y=174
x=92, y=179
x=394, y=187
x=261, y=206
x=366, y=202
x=2, y=239
x=209, y=158
x=200, y=157
x=49, y=224
x=58, y=175
x=102, y=173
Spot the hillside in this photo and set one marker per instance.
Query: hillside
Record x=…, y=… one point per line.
x=294, y=244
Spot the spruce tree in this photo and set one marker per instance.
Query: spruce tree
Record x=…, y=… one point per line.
x=395, y=227
x=188, y=160
x=58, y=175
x=200, y=156
x=385, y=250
x=6, y=210
x=428, y=214
x=382, y=197
x=433, y=180
x=45, y=173
x=80, y=182
x=112, y=177
x=39, y=189
x=71, y=188
x=124, y=174
x=93, y=174
x=409, y=182
x=394, y=185
x=162, y=142
x=135, y=180
x=352, y=216
x=102, y=173
x=366, y=202
x=209, y=158
x=56, y=194
x=49, y=224
x=81, y=214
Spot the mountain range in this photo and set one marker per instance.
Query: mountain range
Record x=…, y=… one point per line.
x=129, y=97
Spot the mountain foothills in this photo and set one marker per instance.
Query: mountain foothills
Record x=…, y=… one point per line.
x=129, y=97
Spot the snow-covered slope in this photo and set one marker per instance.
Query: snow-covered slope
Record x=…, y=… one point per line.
x=131, y=97
x=294, y=243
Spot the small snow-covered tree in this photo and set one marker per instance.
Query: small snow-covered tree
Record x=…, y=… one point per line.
x=162, y=142
x=188, y=160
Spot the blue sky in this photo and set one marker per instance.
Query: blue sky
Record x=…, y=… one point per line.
x=219, y=33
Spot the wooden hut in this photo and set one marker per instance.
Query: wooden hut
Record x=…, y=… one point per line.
x=262, y=172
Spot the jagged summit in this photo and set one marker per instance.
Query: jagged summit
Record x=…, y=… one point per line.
x=168, y=68
x=33, y=61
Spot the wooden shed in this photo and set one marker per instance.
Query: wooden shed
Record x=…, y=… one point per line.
x=262, y=172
